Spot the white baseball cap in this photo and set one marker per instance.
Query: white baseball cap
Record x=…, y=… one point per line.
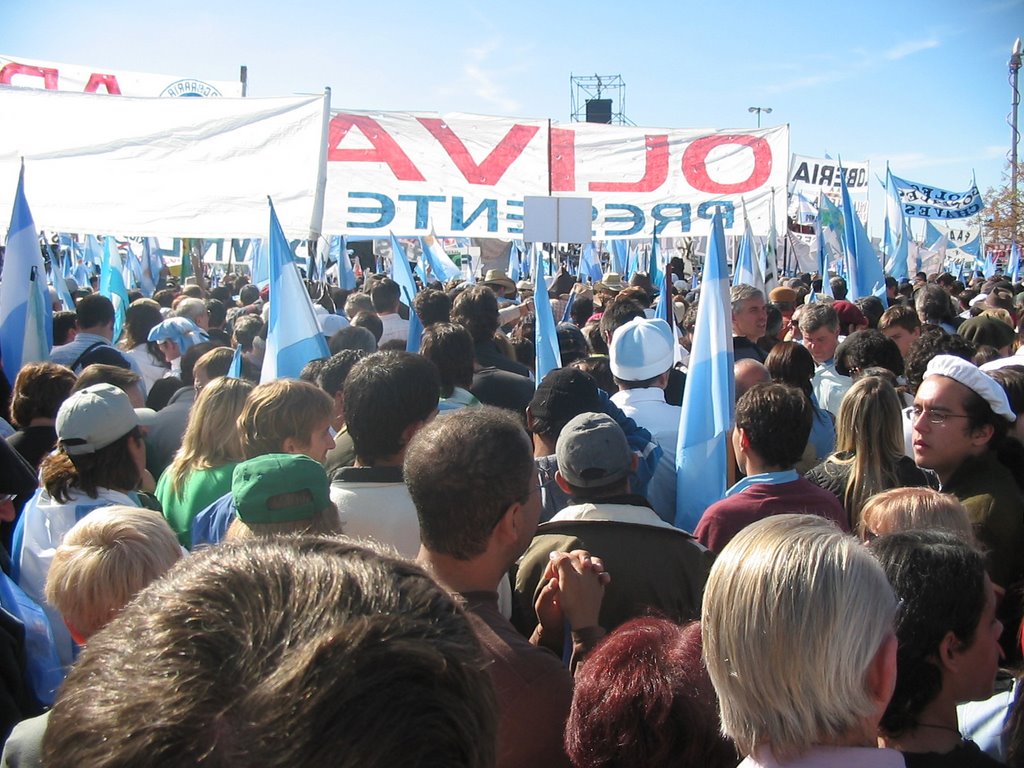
x=97, y=416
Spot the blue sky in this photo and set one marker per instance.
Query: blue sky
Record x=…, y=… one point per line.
x=922, y=85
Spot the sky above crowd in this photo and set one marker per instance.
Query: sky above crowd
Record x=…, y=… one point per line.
x=921, y=86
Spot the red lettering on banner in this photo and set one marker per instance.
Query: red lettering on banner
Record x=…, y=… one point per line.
x=10, y=70
x=696, y=171
x=655, y=169
x=109, y=82
x=562, y=159
x=490, y=170
x=385, y=148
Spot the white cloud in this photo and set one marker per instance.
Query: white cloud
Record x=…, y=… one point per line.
x=485, y=82
x=910, y=47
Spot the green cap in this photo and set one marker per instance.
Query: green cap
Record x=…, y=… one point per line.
x=256, y=481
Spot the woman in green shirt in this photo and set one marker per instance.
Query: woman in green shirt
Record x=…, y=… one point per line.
x=201, y=471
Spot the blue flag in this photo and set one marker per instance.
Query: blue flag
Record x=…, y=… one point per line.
x=620, y=257
x=415, y=338
x=513, y=270
x=293, y=334
x=235, y=370
x=865, y=270
x=826, y=284
x=657, y=272
x=708, y=401
x=401, y=273
x=60, y=285
x=664, y=309
x=26, y=325
x=747, y=270
x=440, y=263
x=590, y=267
x=545, y=336
x=112, y=283
x=567, y=312
x=897, y=238
x=338, y=251
x=1014, y=264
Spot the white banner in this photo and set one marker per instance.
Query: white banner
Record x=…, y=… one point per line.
x=406, y=172
x=30, y=73
x=646, y=181
x=814, y=176
x=162, y=167
x=467, y=175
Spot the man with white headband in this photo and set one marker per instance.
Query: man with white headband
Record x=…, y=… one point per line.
x=961, y=417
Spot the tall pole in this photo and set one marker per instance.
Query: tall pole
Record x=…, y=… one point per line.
x=1014, y=137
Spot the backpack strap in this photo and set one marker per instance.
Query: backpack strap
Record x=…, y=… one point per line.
x=85, y=352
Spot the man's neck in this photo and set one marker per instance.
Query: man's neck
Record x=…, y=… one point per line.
x=106, y=333
x=754, y=466
x=475, y=575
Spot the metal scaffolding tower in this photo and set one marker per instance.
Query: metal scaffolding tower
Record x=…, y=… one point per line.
x=598, y=96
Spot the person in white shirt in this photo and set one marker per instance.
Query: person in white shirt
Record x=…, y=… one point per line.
x=386, y=296
x=641, y=353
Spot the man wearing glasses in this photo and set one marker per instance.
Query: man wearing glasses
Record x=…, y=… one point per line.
x=961, y=418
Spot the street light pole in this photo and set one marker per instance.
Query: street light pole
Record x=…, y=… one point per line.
x=768, y=110
x=1015, y=57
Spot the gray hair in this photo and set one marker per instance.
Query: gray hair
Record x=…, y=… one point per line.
x=743, y=292
x=794, y=613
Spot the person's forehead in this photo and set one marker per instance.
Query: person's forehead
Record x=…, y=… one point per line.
x=754, y=302
x=941, y=389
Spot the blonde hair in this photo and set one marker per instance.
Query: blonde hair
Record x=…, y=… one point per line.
x=325, y=522
x=794, y=613
x=211, y=438
x=278, y=410
x=869, y=428
x=909, y=509
x=107, y=558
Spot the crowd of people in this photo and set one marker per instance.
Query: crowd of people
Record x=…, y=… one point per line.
x=438, y=558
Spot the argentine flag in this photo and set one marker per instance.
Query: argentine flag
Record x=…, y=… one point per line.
x=708, y=401
x=441, y=265
x=897, y=238
x=545, y=335
x=293, y=334
x=26, y=325
x=865, y=270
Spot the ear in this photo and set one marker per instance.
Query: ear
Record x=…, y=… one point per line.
x=562, y=483
x=744, y=438
x=291, y=445
x=881, y=674
x=982, y=435
x=948, y=653
x=507, y=528
x=529, y=420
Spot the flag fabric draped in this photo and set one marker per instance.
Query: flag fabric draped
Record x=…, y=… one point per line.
x=401, y=272
x=865, y=270
x=707, y=413
x=620, y=257
x=26, y=325
x=441, y=264
x=746, y=270
x=1014, y=264
x=545, y=336
x=112, y=283
x=513, y=270
x=769, y=255
x=656, y=270
x=259, y=266
x=235, y=369
x=590, y=266
x=415, y=338
x=293, y=334
x=338, y=250
x=58, y=270
x=896, y=238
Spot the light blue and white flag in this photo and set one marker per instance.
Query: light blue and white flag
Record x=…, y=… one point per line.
x=513, y=270
x=747, y=268
x=26, y=323
x=112, y=283
x=293, y=334
x=338, y=251
x=769, y=254
x=990, y=267
x=1014, y=264
x=656, y=269
x=826, y=280
x=620, y=257
x=401, y=272
x=235, y=370
x=897, y=237
x=414, y=340
x=865, y=270
x=706, y=417
x=57, y=271
x=441, y=264
x=590, y=267
x=545, y=335
x=259, y=264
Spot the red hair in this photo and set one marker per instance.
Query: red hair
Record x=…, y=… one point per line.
x=643, y=698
